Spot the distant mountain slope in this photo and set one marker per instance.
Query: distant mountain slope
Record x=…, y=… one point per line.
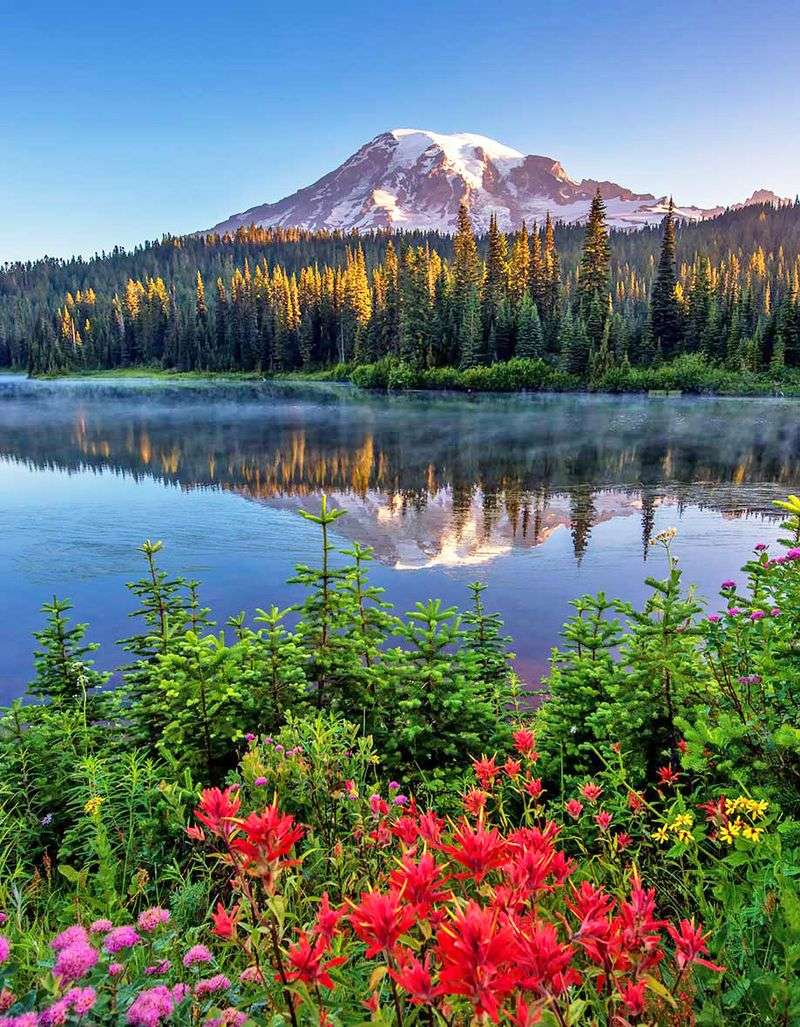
x=416, y=179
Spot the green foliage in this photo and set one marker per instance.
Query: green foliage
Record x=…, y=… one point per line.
x=672, y=736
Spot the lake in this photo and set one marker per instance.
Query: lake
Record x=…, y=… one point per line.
x=543, y=497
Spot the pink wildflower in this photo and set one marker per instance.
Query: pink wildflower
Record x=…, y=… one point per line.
x=81, y=1000
x=219, y=982
x=152, y=918
x=260, y=781
x=252, y=975
x=56, y=1014
x=197, y=954
x=5, y=948
x=101, y=926
x=121, y=938
x=151, y=1006
x=74, y=961
x=69, y=937
x=229, y=1017
x=115, y=969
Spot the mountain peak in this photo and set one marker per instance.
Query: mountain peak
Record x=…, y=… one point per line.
x=413, y=178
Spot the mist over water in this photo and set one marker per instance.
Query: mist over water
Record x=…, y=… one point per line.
x=542, y=497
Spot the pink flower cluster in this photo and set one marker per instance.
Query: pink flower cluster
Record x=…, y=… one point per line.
x=152, y=918
x=154, y=1005
x=121, y=938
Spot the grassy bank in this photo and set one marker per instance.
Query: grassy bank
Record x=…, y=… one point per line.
x=687, y=374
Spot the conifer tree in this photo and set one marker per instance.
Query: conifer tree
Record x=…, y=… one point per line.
x=594, y=271
x=665, y=313
x=471, y=332
x=529, y=328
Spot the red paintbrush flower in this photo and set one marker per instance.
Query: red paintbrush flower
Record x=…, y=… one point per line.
x=477, y=849
x=218, y=809
x=668, y=776
x=591, y=791
x=574, y=807
x=224, y=922
x=544, y=960
x=380, y=920
x=420, y=883
x=690, y=944
x=269, y=837
x=512, y=768
x=478, y=956
x=307, y=964
x=415, y=978
x=524, y=741
x=327, y=918
x=475, y=800
x=486, y=770
x=534, y=788
x=632, y=996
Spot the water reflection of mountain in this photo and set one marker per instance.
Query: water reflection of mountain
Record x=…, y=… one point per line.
x=429, y=480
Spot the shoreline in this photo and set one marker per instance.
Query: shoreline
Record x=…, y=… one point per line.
x=452, y=382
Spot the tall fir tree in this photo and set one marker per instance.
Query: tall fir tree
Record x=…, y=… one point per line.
x=666, y=317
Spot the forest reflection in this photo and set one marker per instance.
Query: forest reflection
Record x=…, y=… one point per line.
x=429, y=479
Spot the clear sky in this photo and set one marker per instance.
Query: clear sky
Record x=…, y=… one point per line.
x=121, y=121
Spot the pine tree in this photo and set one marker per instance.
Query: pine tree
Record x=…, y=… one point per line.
x=594, y=271
x=496, y=282
x=665, y=313
x=529, y=328
x=467, y=272
x=64, y=675
x=471, y=332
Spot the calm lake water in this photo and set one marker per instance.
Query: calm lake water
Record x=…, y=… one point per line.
x=542, y=497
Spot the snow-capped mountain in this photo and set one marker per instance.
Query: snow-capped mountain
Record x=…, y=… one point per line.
x=410, y=178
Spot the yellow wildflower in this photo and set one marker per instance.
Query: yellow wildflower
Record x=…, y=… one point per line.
x=93, y=805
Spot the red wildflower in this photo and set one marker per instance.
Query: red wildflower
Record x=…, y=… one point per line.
x=525, y=1015
x=512, y=768
x=478, y=959
x=616, y=747
x=574, y=807
x=524, y=741
x=430, y=827
x=667, y=776
x=306, y=962
x=690, y=944
x=406, y=828
x=486, y=770
x=534, y=787
x=477, y=849
x=224, y=922
x=380, y=920
x=623, y=840
x=633, y=997
x=419, y=883
x=591, y=791
x=475, y=800
x=415, y=978
x=217, y=809
x=683, y=745
x=589, y=904
x=544, y=960
x=603, y=819
x=269, y=837
x=635, y=802
x=638, y=926
x=327, y=918
x=716, y=810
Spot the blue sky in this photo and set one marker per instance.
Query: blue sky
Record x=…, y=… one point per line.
x=122, y=121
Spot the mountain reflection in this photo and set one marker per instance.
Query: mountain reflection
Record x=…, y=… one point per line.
x=428, y=480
